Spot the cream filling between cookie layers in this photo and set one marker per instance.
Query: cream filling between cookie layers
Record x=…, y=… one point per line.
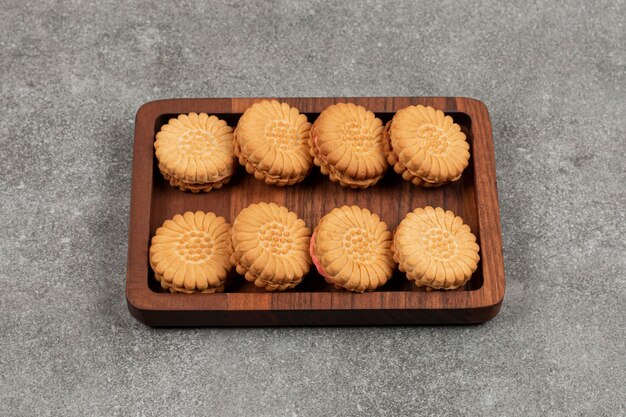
x=265, y=175
x=175, y=289
x=195, y=187
x=257, y=280
x=265, y=283
x=214, y=180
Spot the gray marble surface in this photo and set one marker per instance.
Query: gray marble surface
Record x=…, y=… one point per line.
x=73, y=74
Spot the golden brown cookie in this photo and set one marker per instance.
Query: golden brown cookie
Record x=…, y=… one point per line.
x=271, y=141
x=191, y=253
x=398, y=166
x=435, y=249
x=195, y=152
x=347, y=144
x=271, y=246
x=351, y=249
x=425, y=146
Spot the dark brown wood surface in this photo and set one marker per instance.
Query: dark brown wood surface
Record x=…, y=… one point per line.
x=314, y=302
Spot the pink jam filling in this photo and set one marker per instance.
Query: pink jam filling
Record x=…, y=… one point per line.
x=317, y=149
x=316, y=261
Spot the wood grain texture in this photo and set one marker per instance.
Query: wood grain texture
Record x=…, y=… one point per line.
x=314, y=302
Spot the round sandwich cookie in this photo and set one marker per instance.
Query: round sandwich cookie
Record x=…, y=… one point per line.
x=271, y=141
x=191, y=253
x=195, y=152
x=347, y=144
x=425, y=146
x=351, y=249
x=435, y=249
x=271, y=246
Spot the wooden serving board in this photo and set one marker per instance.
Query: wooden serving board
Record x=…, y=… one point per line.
x=314, y=302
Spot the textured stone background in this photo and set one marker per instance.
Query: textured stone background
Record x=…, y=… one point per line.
x=72, y=76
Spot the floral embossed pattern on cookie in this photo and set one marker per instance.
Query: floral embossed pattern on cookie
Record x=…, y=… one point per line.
x=271, y=246
x=425, y=146
x=271, y=141
x=195, y=152
x=351, y=248
x=191, y=253
x=435, y=249
x=347, y=144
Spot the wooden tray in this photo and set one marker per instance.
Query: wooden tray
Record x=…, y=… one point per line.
x=314, y=302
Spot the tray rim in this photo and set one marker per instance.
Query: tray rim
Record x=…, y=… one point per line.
x=487, y=298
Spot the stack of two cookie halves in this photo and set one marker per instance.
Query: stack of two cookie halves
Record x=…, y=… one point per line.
x=195, y=152
x=346, y=142
x=270, y=246
x=435, y=249
x=271, y=142
x=351, y=249
x=425, y=146
x=191, y=253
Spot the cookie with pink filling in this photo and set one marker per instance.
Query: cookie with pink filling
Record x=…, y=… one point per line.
x=351, y=249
